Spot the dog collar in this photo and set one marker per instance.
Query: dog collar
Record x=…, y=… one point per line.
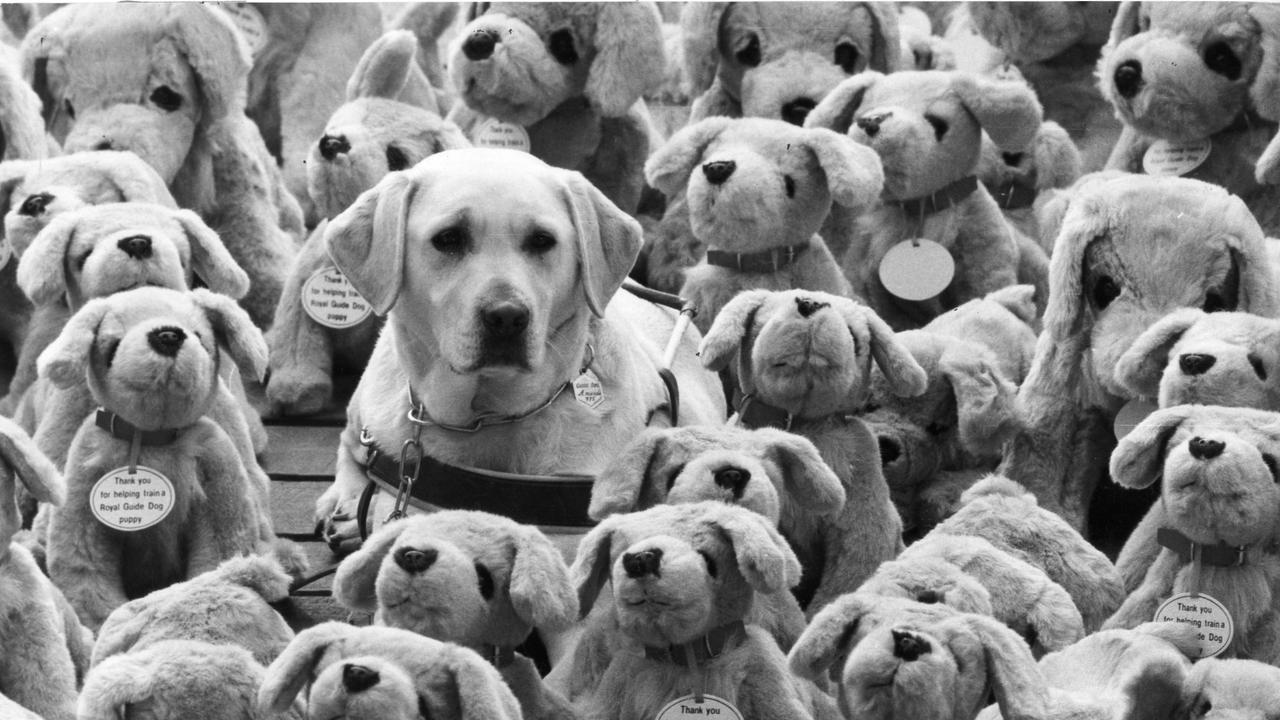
x=1219, y=555
x=499, y=656
x=754, y=414
x=700, y=650
x=1015, y=194
x=939, y=200
x=764, y=261
x=122, y=429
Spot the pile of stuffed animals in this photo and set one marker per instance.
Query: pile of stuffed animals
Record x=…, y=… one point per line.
x=798, y=361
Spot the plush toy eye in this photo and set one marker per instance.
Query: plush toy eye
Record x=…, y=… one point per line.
x=396, y=159
x=847, y=56
x=561, y=47
x=71, y=110
x=166, y=99
x=675, y=473
x=712, y=570
x=110, y=351
x=749, y=54
x=940, y=126
x=1258, y=368
x=1104, y=291
x=1220, y=58
x=935, y=428
x=486, y=581
x=540, y=242
x=82, y=259
x=789, y=184
x=451, y=241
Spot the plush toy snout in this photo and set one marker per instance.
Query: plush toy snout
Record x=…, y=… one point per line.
x=364, y=687
x=728, y=476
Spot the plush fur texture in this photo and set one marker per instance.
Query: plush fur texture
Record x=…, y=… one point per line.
x=570, y=74
x=1052, y=162
x=810, y=355
x=377, y=131
x=1231, y=690
x=927, y=129
x=168, y=82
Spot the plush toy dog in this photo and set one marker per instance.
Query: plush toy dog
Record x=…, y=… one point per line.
x=376, y=132
x=927, y=129
x=46, y=651
x=379, y=673
x=1221, y=506
x=472, y=578
x=21, y=123
x=151, y=358
x=757, y=191
x=562, y=81
x=1231, y=689
x=804, y=363
x=167, y=81
x=1018, y=180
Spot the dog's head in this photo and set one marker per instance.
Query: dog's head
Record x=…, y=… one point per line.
x=753, y=184
x=1217, y=689
x=147, y=77
x=929, y=580
x=927, y=126
x=808, y=353
x=22, y=462
x=466, y=577
x=519, y=61
x=679, y=571
x=1035, y=32
x=1052, y=161
x=377, y=131
x=151, y=354
x=778, y=60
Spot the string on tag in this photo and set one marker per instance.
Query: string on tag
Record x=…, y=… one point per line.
x=699, y=677
x=915, y=240
x=1194, y=580
x=135, y=449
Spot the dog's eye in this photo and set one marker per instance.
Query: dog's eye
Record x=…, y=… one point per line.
x=871, y=407
x=82, y=259
x=936, y=429
x=485, y=579
x=110, y=352
x=1258, y=368
x=675, y=473
x=166, y=99
x=1220, y=58
x=451, y=241
x=69, y=108
x=560, y=44
x=789, y=184
x=847, y=56
x=749, y=54
x=712, y=569
x=1104, y=291
x=396, y=159
x=1012, y=159
x=35, y=204
x=940, y=126
x=540, y=242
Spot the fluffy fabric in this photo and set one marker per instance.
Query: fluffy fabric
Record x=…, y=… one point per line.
x=1229, y=689
x=1020, y=181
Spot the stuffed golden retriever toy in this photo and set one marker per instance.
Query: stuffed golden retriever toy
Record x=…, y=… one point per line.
x=168, y=82
x=1231, y=690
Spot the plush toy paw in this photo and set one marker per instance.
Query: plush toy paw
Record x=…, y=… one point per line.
x=336, y=521
x=298, y=390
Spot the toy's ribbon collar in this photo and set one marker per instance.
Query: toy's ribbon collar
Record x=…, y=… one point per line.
x=122, y=429
x=499, y=656
x=1219, y=555
x=754, y=414
x=1015, y=194
x=764, y=261
x=938, y=200
x=701, y=649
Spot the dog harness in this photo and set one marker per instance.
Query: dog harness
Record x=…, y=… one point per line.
x=764, y=261
x=938, y=200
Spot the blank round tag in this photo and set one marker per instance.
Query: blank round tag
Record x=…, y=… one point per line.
x=6, y=252
x=1132, y=413
x=131, y=501
x=250, y=22
x=917, y=269
x=329, y=298
x=710, y=707
x=493, y=133
x=1167, y=158
x=1213, y=624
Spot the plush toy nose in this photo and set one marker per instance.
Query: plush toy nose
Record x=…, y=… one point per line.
x=908, y=646
x=1202, y=449
x=645, y=562
x=807, y=307
x=137, y=247
x=1128, y=78
x=35, y=204
x=1196, y=363
x=797, y=110
x=505, y=320
x=929, y=597
x=870, y=124
x=358, y=678
x=415, y=561
x=332, y=146
x=732, y=479
x=479, y=46
x=890, y=451
x=718, y=172
x=166, y=340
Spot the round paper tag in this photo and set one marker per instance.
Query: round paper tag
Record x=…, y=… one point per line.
x=1132, y=413
x=6, y=252
x=1211, y=620
x=131, y=501
x=1166, y=158
x=493, y=133
x=588, y=390
x=330, y=300
x=917, y=269
x=711, y=706
x=250, y=22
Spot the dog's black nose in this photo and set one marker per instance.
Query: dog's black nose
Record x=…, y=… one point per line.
x=137, y=247
x=909, y=646
x=35, y=204
x=890, y=450
x=1202, y=449
x=719, y=171
x=415, y=561
x=331, y=146
x=506, y=319
x=870, y=124
x=929, y=597
x=645, y=562
x=1196, y=363
x=732, y=479
x=807, y=307
x=797, y=110
x=103, y=145
x=166, y=340
x=479, y=46
x=1128, y=78
x=358, y=678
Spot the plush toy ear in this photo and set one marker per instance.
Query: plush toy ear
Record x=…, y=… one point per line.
x=837, y=109
x=210, y=260
x=591, y=565
x=764, y=558
x=541, y=591
x=355, y=582
x=66, y=359
x=482, y=693
x=1017, y=299
x=855, y=176
x=42, y=270
x=1142, y=365
x=1007, y=110
x=235, y=331
x=1138, y=460
x=626, y=485
x=731, y=329
x=1057, y=160
x=1055, y=618
x=885, y=35
x=12, y=172
x=133, y=179
x=810, y=482
x=428, y=21
x=113, y=686
x=384, y=68
x=985, y=401
x=21, y=461
x=1267, y=169
x=700, y=35
x=1128, y=23
x=296, y=666
x=20, y=119
x=906, y=377
x=218, y=54
x=366, y=241
x=1085, y=220
x=829, y=636
x=121, y=630
x=1265, y=90
x=608, y=240
x=668, y=169
x=630, y=58
x=1019, y=687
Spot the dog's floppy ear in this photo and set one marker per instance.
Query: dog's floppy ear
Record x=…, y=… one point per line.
x=608, y=240
x=627, y=484
x=218, y=54
x=1055, y=618
x=23, y=134
x=764, y=558
x=1128, y=23
x=985, y=401
x=481, y=692
x=591, y=565
x=210, y=260
x=700, y=38
x=854, y=173
x=1015, y=678
x=1058, y=161
x=42, y=270
x=1084, y=221
x=235, y=332
x=1142, y=365
x=541, y=591
x=668, y=169
x=384, y=68
x=630, y=58
x=133, y=179
x=355, y=582
x=1138, y=460
x=837, y=109
x=1007, y=110
x=21, y=461
x=730, y=329
x=366, y=241
x=113, y=686
x=829, y=635
x=906, y=377
x=810, y=482
x=11, y=173
x=66, y=359
x=885, y=36
x=296, y=666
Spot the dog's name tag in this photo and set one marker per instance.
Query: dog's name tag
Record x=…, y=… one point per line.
x=493, y=133
x=1168, y=158
x=917, y=269
x=331, y=300
x=131, y=500
x=1132, y=413
x=250, y=23
x=1213, y=624
x=6, y=252
x=710, y=707
x=588, y=390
